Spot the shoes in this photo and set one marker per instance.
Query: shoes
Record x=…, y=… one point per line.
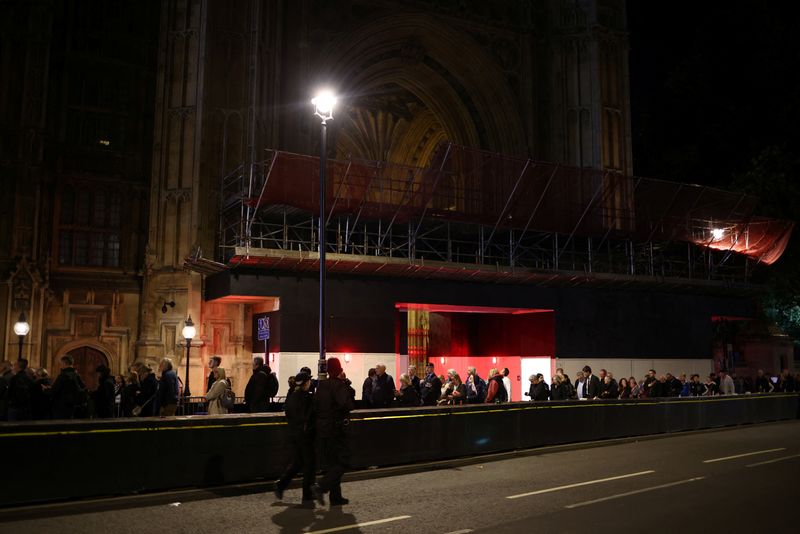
x=278, y=491
x=341, y=501
x=318, y=494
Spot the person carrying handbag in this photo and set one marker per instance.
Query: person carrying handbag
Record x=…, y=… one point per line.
x=219, y=390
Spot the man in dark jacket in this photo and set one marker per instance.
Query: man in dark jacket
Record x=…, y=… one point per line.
x=256, y=393
x=333, y=402
x=167, y=395
x=593, y=389
x=69, y=391
x=148, y=388
x=383, y=388
x=366, y=388
x=650, y=386
x=673, y=386
x=103, y=397
x=300, y=419
x=20, y=392
x=430, y=387
x=412, y=375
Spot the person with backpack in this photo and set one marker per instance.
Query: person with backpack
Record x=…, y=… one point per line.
x=20, y=392
x=496, y=391
x=261, y=387
x=219, y=397
x=69, y=391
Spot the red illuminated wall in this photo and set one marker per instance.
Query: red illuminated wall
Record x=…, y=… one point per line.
x=492, y=334
x=478, y=339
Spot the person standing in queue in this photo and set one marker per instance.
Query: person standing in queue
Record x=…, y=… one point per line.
x=299, y=408
x=333, y=402
x=430, y=387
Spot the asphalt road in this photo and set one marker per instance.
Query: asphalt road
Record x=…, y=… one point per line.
x=735, y=480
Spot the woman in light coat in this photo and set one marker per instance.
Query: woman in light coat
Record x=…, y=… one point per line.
x=214, y=395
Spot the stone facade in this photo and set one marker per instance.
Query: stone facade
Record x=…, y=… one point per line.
x=137, y=110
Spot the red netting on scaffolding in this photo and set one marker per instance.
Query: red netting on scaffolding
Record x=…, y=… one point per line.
x=469, y=185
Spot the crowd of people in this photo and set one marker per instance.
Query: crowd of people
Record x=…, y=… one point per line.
x=30, y=394
x=378, y=390
x=587, y=385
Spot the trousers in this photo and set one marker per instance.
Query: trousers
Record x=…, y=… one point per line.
x=336, y=457
x=303, y=460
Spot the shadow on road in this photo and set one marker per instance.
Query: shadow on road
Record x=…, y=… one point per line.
x=300, y=518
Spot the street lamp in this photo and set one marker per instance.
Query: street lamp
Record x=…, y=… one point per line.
x=323, y=108
x=189, y=331
x=21, y=328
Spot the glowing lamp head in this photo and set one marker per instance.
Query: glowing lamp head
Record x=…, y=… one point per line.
x=347, y=357
x=324, y=103
x=189, y=331
x=21, y=327
x=442, y=360
x=717, y=233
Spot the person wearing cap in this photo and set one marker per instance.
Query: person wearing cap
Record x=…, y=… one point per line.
x=333, y=402
x=299, y=409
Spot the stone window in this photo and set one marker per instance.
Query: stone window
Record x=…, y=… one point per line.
x=88, y=232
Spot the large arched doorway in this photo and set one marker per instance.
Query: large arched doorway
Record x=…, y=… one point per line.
x=409, y=82
x=86, y=361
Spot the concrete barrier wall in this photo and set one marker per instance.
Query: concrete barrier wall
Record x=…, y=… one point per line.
x=75, y=459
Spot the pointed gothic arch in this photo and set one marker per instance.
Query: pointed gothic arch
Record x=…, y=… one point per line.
x=453, y=85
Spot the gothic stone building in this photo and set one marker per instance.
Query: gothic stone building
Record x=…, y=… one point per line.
x=120, y=120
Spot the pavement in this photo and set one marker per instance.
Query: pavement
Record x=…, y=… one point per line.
x=743, y=479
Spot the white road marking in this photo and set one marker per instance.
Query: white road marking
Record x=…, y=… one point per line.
x=742, y=455
x=559, y=488
x=357, y=525
x=629, y=493
x=782, y=458
x=463, y=531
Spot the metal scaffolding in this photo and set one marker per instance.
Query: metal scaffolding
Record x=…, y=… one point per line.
x=469, y=209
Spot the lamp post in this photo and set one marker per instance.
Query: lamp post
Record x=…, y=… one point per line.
x=21, y=328
x=323, y=108
x=189, y=331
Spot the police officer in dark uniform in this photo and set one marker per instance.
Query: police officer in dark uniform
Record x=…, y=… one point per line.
x=333, y=402
x=299, y=408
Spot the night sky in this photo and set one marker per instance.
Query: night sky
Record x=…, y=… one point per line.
x=715, y=100
x=715, y=93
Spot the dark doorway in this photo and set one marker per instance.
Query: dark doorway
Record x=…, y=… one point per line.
x=86, y=361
